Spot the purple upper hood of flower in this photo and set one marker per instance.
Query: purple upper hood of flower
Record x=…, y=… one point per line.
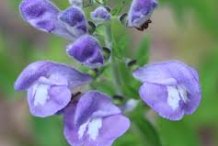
x=49, y=86
x=100, y=15
x=74, y=20
x=89, y=122
x=44, y=15
x=140, y=12
x=87, y=51
x=170, y=88
x=78, y=3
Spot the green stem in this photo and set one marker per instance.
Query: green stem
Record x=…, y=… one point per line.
x=115, y=70
x=108, y=36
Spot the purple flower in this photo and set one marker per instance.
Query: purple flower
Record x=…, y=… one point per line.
x=43, y=15
x=100, y=15
x=140, y=12
x=170, y=88
x=49, y=85
x=87, y=51
x=74, y=21
x=94, y=121
x=78, y=3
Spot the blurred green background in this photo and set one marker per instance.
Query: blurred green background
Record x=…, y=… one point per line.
x=181, y=29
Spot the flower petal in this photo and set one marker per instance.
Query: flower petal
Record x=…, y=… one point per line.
x=86, y=50
x=140, y=12
x=47, y=68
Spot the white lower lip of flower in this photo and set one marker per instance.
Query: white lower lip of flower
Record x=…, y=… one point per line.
x=175, y=94
x=82, y=129
x=92, y=128
x=40, y=92
x=183, y=93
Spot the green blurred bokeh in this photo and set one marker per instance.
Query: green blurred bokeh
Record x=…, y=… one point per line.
x=186, y=30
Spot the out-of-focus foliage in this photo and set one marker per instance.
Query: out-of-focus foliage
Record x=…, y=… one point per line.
x=49, y=132
x=205, y=12
x=20, y=48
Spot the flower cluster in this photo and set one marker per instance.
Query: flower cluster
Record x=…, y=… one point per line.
x=170, y=88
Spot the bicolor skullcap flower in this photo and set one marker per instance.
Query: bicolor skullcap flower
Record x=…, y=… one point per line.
x=87, y=51
x=94, y=121
x=43, y=15
x=100, y=15
x=170, y=88
x=140, y=12
x=78, y=3
x=49, y=85
x=74, y=20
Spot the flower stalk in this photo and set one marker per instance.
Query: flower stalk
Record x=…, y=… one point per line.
x=114, y=64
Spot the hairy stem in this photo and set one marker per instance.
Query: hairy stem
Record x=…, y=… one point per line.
x=115, y=71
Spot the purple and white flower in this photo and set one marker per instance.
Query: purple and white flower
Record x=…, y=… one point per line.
x=94, y=121
x=44, y=15
x=74, y=21
x=140, y=12
x=49, y=86
x=100, y=15
x=170, y=88
x=86, y=50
